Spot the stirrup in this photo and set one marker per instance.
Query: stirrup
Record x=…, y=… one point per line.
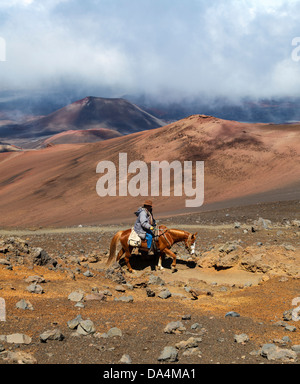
x=152, y=249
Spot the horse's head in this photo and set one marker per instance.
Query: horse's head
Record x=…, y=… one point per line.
x=190, y=243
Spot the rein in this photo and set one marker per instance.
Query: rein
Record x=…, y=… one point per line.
x=163, y=234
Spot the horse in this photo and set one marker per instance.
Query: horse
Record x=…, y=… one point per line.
x=164, y=240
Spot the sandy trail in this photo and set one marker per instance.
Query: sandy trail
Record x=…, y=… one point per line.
x=100, y=229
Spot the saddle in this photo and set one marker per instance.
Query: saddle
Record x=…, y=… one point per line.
x=141, y=245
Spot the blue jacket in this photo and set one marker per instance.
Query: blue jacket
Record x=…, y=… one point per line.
x=143, y=222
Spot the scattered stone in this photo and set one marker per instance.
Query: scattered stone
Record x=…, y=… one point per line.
x=190, y=343
x=280, y=323
x=228, y=247
x=287, y=315
x=186, y=317
x=20, y=358
x=88, y=274
x=4, y=262
x=175, y=327
x=101, y=335
x=93, y=258
x=169, y=354
x=261, y=224
x=54, y=334
x=164, y=294
x=18, y=338
x=24, y=304
x=41, y=257
x=283, y=279
x=290, y=328
x=115, y=273
x=289, y=247
x=1, y=348
x=35, y=279
x=192, y=352
x=113, y=332
x=95, y=296
x=156, y=280
x=79, y=304
x=295, y=223
x=196, y=326
x=35, y=288
x=232, y=314
x=296, y=348
x=76, y=296
x=286, y=339
x=241, y=339
x=125, y=299
x=73, y=324
x=150, y=293
x=125, y=359
x=272, y=352
x=120, y=288
x=86, y=327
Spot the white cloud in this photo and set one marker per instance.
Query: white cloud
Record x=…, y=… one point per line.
x=220, y=47
x=15, y=3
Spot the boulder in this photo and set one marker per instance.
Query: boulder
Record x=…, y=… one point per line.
x=86, y=327
x=18, y=338
x=24, y=304
x=54, y=334
x=20, y=358
x=169, y=354
x=175, y=327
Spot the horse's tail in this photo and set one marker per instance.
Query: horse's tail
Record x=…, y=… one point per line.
x=113, y=247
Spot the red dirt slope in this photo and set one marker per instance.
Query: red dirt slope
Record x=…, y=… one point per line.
x=57, y=186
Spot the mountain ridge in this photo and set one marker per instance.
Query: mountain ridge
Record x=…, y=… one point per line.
x=56, y=186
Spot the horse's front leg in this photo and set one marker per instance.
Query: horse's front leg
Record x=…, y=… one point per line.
x=159, y=265
x=171, y=254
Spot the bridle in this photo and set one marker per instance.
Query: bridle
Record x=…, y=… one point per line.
x=190, y=248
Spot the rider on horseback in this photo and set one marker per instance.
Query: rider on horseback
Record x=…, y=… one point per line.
x=145, y=223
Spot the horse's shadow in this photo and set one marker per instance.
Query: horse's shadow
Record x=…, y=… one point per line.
x=143, y=261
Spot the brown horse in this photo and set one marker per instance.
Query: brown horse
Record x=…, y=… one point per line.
x=164, y=240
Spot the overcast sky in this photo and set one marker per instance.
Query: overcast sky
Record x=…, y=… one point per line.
x=231, y=48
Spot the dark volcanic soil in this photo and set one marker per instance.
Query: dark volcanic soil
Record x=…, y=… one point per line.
x=260, y=299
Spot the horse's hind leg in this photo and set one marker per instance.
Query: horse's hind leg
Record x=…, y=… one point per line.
x=120, y=254
x=127, y=257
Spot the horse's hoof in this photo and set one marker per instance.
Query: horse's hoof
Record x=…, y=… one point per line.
x=174, y=270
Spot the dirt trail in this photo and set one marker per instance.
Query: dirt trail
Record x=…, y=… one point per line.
x=259, y=297
x=99, y=229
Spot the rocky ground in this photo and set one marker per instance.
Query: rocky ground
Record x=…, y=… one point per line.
x=235, y=302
